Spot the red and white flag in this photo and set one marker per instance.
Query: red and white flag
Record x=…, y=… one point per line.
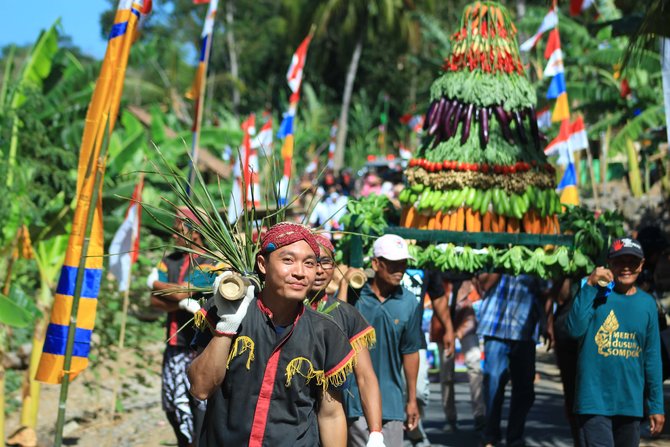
x=294, y=74
x=332, y=144
x=550, y=21
x=125, y=246
x=263, y=140
x=571, y=137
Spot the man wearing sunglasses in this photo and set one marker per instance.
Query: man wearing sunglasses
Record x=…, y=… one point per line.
x=619, y=360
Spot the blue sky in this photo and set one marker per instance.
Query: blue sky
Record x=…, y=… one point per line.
x=80, y=19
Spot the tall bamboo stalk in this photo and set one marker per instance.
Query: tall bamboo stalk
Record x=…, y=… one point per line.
x=633, y=169
x=98, y=171
x=122, y=339
x=199, y=107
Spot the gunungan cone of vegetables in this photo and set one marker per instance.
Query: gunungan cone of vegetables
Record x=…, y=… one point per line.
x=481, y=164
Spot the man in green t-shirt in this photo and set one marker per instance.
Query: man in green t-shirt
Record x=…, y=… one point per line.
x=619, y=373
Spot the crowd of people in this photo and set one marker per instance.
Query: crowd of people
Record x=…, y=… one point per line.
x=310, y=360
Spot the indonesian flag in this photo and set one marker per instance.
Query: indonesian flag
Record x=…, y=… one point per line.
x=571, y=137
x=579, y=6
x=243, y=178
x=263, y=140
x=332, y=144
x=294, y=74
x=125, y=246
x=550, y=21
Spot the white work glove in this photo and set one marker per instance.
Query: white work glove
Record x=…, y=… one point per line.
x=152, y=278
x=190, y=305
x=230, y=313
x=376, y=439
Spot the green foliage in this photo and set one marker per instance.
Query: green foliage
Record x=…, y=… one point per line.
x=366, y=217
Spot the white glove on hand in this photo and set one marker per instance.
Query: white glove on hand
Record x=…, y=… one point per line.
x=190, y=305
x=230, y=313
x=376, y=439
x=152, y=278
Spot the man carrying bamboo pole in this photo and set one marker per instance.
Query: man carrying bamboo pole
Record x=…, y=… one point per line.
x=174, y=271
x=272, y=369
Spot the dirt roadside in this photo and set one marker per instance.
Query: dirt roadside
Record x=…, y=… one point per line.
x=88, y=422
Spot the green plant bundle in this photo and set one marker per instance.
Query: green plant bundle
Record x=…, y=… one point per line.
x=234, y=245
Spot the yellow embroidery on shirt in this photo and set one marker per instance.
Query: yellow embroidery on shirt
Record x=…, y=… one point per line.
x=235, y=350
x=611, y=342
x=295, y=366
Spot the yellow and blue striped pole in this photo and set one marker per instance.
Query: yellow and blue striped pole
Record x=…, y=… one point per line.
x=67, y=343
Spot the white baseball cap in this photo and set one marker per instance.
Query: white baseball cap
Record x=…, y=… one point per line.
x=391, y=247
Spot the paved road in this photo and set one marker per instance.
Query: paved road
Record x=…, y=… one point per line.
x=546, y=425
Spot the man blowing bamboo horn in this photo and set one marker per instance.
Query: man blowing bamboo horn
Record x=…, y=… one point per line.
x=361, y=335
x=273, y=367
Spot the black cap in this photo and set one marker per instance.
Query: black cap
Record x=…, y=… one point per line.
x=625, y=246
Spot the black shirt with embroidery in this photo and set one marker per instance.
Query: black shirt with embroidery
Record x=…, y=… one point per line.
x=271, y=391
x=349, y=319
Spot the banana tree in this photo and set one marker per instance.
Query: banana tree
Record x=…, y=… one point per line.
x=596, y=60
x=14, y=313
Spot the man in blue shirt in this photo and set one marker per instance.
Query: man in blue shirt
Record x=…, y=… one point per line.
x=510, y=312
x=395, y=315
x=619, y=372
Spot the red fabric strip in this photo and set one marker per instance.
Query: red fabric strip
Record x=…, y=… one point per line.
x=263, y=404
x=365, y=331
x=174, y=327
x=341, y=364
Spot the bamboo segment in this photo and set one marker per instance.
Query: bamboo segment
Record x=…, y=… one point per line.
x=233, y=287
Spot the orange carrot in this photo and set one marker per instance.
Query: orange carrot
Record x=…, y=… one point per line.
x=535, y=221
x=410, y=217
x=469, y=220
x=502, y=223
x=423, y=222
x=527, y=224
x=403, y=215
x=557, y=225
x=438, y=220
x=446, y=220
x=512, y=225
x=431, y=222
x=460, y=219
x=478, y=221
x=452, y=221
x=487, y=220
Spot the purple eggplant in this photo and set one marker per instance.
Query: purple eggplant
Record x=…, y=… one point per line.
x=484, y=126
x=532, y=116
x=504, y=123
x=429, y=116
x=447, y=118
x=519, y=127
x=467, y=123
x=453, y=123
x=438, y=114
